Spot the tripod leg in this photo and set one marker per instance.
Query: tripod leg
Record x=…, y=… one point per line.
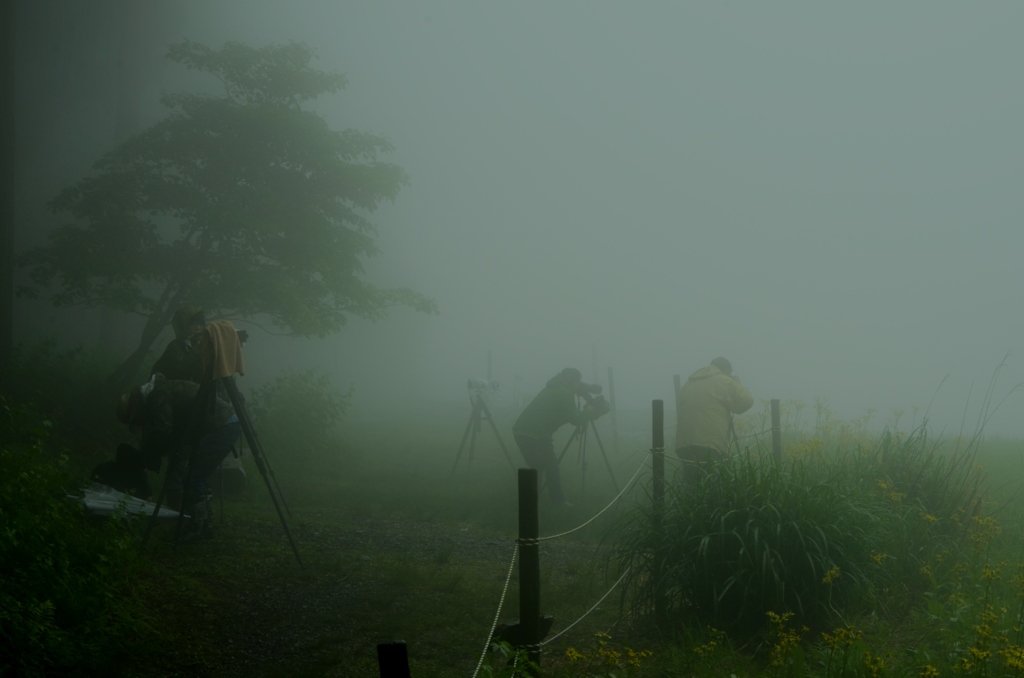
x=607, y=464
x=472, y=437
x=490, y=420
x=266, y=460
x=465, y=435
x=257, y=454
x=171, y=468
x=565, y=449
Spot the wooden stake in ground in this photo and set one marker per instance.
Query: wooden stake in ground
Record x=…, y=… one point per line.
x=776, y=432
x=658, y=491
x=529, y=566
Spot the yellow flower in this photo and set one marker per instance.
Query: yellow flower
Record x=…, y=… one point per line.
x=574, y=655
x=878, y=557
x=929, y=671
x=831, y=575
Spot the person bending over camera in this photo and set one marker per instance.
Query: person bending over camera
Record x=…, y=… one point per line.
x=163, y=408
x=706, y=404
x=554, y=407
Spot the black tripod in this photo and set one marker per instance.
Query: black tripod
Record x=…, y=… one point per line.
x=479, y=413
x=581, y=433
x=205, y=401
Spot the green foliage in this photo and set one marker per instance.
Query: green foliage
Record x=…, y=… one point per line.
x=242, y=203
x=63, y=606
x=297, y=416
x=821, y=537
x=66, y=388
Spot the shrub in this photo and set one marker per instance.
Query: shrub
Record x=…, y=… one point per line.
x=63, y=606
x=296, y=416
x=818, y=536
x=68, y=388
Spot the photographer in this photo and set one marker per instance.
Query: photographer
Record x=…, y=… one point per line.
x=180, y=360
x=706, y=403
x=554, y=407
x=163, y=409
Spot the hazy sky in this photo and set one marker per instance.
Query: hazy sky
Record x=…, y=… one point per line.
x=827, y=194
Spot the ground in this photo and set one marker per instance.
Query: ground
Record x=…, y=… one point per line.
x=240, y=605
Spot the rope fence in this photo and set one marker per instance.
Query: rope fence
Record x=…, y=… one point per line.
x=497, y=615
x=595, y=606
x=595, y=516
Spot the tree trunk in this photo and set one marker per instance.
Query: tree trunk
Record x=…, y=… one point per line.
x=7, y=119
x=122, y=378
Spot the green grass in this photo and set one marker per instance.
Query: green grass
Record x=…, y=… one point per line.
x=925, y=539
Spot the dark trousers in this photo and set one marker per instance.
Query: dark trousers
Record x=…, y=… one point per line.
x=540, y=454
x=211, y=451
x=698, y=462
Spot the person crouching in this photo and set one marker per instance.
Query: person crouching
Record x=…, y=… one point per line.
x=163, y=409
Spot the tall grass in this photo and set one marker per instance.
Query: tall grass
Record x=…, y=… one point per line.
x=821, y=536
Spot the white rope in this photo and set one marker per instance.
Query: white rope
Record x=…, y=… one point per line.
x=594, y=517
x=555, y=637
x=497, y=614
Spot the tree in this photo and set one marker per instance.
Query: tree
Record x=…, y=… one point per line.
x=243, y=203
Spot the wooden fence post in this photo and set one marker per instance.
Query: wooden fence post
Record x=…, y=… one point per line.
x=615, y=420
x=658, y=489
x=776, y=432
x=529, y=566
x=393, y=660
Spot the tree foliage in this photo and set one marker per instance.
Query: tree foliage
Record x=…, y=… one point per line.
x=244, y=203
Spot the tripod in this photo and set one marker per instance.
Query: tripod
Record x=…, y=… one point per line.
x=205, y=402
x=581, y=433
x=479, y=413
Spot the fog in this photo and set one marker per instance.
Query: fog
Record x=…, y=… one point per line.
x=828, y=195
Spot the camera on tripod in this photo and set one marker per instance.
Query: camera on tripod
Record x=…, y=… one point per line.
x=482, y=387
x=592, y=394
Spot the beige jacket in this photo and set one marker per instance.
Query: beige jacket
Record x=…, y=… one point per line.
x=706, y=404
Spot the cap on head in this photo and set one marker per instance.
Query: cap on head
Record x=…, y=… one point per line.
x=184, y=317
x=571, y=374
x=724, y=366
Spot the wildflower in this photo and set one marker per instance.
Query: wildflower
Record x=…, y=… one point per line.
x=842, y=637
x=873, y=665
x=1013, y=655
x=574, y=655
x=929, y=671
x=634, y=658
x=929, y=518
x=878, y=557
x=992, y=573
x=830, y=576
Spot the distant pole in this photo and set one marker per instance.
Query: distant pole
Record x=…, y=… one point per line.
x=393, y=660
x=529, y=566
x=658, y=489
x=776, y=432
x=615, y=419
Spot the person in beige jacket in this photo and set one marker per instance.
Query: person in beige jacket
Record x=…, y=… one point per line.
x=706, y=403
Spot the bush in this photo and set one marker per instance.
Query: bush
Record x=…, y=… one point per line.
x=63, y=607
x=820, y=536
x=68, y=388
x=296, y=416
